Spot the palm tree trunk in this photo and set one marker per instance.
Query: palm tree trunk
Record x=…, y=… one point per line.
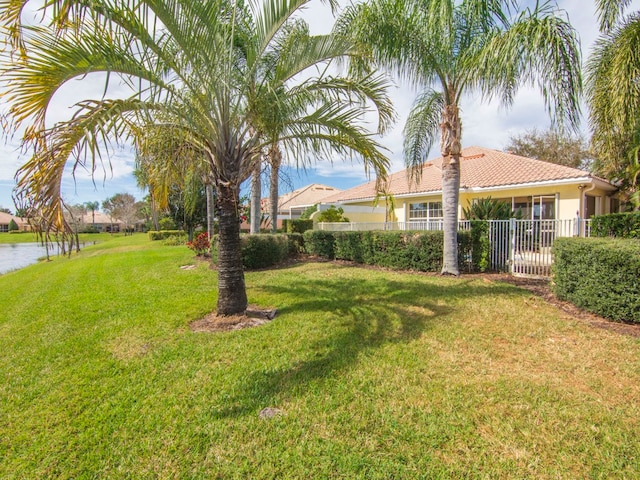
x=275, y=157
x=232, y=294
x=450, y=145
x=256, y=193
x=210, y=209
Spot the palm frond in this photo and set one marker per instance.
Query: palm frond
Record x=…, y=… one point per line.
x=422, y=129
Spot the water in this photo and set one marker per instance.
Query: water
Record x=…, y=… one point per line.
x=18, y=255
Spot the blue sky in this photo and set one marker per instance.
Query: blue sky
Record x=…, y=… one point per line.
x=484, y=124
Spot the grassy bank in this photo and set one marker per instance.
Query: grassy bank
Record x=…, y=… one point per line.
x=28, y=237
x=375, y=375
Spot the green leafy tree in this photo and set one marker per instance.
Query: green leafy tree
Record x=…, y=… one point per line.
x=332, y=214
x=308, y=212
x=613, y=95
x=13, y=226
x=552, y=146
x=192, y=65
x=454, y=47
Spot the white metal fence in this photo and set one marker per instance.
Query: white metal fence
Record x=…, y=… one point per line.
x=521, y=247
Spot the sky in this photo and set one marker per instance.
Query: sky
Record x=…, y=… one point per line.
x=485, y=124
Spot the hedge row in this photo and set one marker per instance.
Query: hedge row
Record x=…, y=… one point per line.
x=621, y=225
x=265, y=250
x=163, y=234
x=601, y=275
x=296, y=226
x=411, y=250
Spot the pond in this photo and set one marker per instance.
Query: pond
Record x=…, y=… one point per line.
x=18, y=255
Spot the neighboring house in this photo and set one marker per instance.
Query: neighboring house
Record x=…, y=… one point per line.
x=293, y=204
x=102, y=222
x=5, y=219
x=540, y=190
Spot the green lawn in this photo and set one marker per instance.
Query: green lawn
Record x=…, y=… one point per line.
x=377, y=374
x=28, y=237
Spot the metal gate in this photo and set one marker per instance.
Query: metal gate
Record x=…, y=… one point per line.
x=524, y=247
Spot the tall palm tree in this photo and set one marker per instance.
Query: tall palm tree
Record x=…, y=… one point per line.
x=451, y=47
x=613, y=95
x=191, y=67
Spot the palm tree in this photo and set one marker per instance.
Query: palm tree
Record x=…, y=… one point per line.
x=93, y=206
x=450, y=48
x=613, y=95
x=191, y=66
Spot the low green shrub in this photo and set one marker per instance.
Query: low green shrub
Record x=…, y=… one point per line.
x=407, y=250
x=621, y=225
x=296, y=226
x=320, y=243
x=174, y=241
x=265, y=250
x=163, y=234
x=601, y=275
x=296, y=243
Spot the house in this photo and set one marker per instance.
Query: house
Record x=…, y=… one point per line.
x=540, y=190
x=291, y=205
x=5, y=220
x=101, y=222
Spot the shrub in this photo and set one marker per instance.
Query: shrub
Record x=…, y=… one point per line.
x=13, y=226
x=264, y=250
x=600, y=275
x=201, y=244
x=296, y=243
x=412, y=250
x=162, y=234
x=261, y=251
x=297, y=226
x=174, y=241
x=167, y=223
x=319, y=242
x=621, y=225
x=332, y=214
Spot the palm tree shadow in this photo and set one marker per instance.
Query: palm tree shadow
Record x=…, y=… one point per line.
x=360, y=319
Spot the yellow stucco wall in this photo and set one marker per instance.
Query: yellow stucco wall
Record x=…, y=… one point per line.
x=568, y=204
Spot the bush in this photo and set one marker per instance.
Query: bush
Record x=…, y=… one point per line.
x=296, y=243
x=421, y=251
x=261, y=251
x=621, y=225
x=163, y=234
x=13, y=226
x=167, y=223
x=332, y=215
x=201, y=244
x=599, y=275
x=174, y=241
x=320, y=243
x=297, y=226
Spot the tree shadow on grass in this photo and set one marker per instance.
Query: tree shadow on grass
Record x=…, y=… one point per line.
x=361, y=315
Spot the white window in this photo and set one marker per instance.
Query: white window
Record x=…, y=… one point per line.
x=425, y=211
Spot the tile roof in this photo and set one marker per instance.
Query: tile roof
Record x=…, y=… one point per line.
x=480, y=168
x=304, y=197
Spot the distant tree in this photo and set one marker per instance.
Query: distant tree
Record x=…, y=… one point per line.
x=333, y=214
x=122, y=206
x=13, y=226
x=93, y=206
x=5, y=210
x=551, y=146
x=308, y=212
x=74, y=217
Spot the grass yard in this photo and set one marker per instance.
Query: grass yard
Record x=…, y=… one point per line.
x=29, y=237
x=375, y=375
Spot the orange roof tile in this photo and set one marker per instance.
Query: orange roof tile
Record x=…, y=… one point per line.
x=480, y=168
